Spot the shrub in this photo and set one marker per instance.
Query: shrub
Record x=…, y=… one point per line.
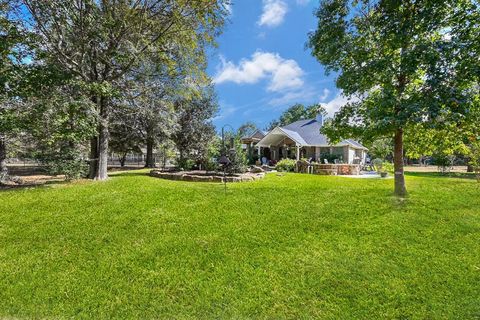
x=66, y=162
x=238, y=162
x=444, y=162
x=286, y=165
x=378, y=164
x=71, y=168
x=388, y=167
x=211, y=165
x=329, y=157
x=186, y=164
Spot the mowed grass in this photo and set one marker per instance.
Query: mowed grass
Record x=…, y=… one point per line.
x=293, y=246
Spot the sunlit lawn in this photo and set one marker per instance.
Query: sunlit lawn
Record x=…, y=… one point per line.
x=294, y=246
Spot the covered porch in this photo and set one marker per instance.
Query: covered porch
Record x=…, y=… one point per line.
x=280, y=144
x=284, y=144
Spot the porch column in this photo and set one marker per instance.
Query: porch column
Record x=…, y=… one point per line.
x=298, y=153
x=259, y=152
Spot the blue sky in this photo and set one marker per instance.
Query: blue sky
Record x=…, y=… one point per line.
x=261, y=66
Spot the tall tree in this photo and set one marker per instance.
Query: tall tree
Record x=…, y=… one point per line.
x=100, y=42
x=13, y=50
x=125, y=133
x=398, y=59
x=195, y=130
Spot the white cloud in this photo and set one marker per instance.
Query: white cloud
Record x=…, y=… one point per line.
x=336, y=103
x=292, y=97
x=273, y=14
x=324, y=95
x=229, y=8
x=284, y=74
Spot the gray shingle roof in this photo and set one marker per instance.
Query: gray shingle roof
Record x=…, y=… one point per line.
x=307, y=132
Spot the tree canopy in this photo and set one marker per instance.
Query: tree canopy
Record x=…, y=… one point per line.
x=400, y=60
x=100, y=43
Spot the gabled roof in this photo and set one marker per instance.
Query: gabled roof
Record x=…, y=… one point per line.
x=257, y=134
x=306, y=133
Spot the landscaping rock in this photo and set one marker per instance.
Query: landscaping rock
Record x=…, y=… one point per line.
x=203, y=176
x=256, y=169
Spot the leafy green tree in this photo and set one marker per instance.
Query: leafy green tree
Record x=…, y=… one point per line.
x=101, y=42
x=151, y=101
x=398, y=59
x=14, y=47
x=125, y=134
x=381, y=149
x=61, y=121
x=194, y=128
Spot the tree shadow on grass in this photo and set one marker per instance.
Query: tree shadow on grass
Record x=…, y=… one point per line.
x=31, y=185
x=129, y=174
x=457, y=175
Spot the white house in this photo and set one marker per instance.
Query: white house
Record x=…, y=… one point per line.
x=302, y=139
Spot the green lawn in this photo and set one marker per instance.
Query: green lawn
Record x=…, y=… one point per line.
x=294, y=246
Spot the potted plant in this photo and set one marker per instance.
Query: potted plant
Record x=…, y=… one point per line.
x=380, y=168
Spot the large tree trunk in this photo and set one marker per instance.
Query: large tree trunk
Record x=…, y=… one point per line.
x=150, y=161
x=3, y=160
x=92, y=172
x=123, y=158
x=103, y=138
x=400, y=189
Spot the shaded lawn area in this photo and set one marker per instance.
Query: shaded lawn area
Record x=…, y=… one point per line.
x=293, y=246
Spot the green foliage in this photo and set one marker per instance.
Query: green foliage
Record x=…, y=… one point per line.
x=286, y=165
x=474, y=155
x=237, y=156
x=382, y=165
x=105, y=45
x=194, y=129
x=67, y=162
x=381, y=148
x=378, y=164
x=388, y=167
x=420, y=141
x=400, y=64
x=330, y=157
x=443, y=161
x=186, y=164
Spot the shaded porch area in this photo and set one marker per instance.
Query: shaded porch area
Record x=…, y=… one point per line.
x=281, y=144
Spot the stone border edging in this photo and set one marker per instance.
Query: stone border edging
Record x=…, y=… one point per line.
x=191, y=176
